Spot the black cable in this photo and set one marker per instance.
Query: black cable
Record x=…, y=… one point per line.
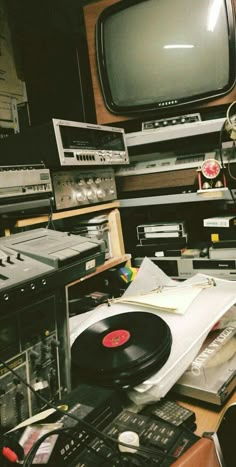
x=99, y=434
x=221, y=158
x=50, y=219
x=87, y=425
x=133, y=459
x=32, y=452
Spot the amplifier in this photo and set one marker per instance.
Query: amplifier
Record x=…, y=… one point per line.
x=75, y=187
x=184, y=268
x=62, y=143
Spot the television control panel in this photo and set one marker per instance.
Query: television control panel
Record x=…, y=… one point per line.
x=170, y=121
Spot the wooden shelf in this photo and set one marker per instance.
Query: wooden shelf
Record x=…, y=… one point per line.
x=115, y=230
x=65, y=214
x=110, y=263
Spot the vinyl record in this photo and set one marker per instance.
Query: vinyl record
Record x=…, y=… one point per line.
x=122, y=350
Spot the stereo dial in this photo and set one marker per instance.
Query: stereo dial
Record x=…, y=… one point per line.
x=90, y=195
x=101, y=193
x=80, y=197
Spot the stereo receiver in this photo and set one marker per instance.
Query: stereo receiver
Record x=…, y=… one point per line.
x=66, y=143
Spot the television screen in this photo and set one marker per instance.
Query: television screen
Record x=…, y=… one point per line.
x=155, y=54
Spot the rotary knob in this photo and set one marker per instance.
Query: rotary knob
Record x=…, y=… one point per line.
x=90, y=181
x=98, y=181
x=90, y=195
x=80, y=197
x=100, y=193
x=111, y=192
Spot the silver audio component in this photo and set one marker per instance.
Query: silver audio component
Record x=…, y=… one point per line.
x=184, y=268
x=167, y=162
x=75, y=188
x=62, y=143
x=21, y=181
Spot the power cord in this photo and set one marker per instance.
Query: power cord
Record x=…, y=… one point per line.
x=50, y=215
x=230, y=123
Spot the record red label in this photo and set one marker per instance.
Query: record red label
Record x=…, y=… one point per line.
x=116, y=338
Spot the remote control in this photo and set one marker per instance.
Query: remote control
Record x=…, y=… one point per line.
x=173, y=413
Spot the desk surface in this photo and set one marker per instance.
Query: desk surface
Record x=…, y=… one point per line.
x=207, y=419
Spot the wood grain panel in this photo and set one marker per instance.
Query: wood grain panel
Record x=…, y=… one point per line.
x=175, y=178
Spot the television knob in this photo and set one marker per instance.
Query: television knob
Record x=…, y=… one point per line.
x=183, y=120
x=165, y=123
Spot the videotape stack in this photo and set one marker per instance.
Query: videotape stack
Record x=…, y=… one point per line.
x=80, y=157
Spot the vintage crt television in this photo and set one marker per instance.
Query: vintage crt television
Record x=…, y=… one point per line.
x=155, y=55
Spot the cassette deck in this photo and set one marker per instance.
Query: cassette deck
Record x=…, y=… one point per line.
x=62, y=143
